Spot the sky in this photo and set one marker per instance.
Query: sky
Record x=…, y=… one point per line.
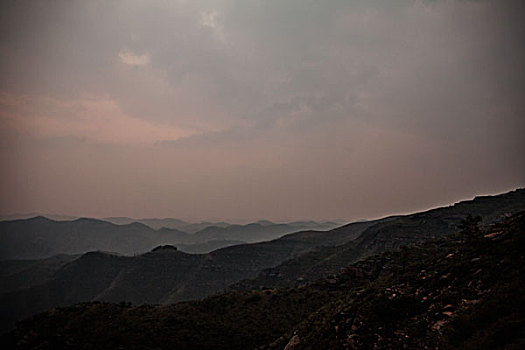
x=245, y=109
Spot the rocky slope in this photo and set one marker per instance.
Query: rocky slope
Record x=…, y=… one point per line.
x=172, y=276
x=462, y=291
x=383, y=235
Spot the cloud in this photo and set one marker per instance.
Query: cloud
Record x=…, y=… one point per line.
x=210, y=19
x=213, y=20
x=366, y=102
x=134, y=60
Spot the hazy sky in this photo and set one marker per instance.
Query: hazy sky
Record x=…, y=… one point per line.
x=289, y=109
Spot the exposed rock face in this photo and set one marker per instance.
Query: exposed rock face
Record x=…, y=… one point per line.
x=293, y=343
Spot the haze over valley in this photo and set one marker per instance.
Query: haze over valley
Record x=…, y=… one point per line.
x=40, y=237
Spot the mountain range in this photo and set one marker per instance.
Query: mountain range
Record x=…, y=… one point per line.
x=41, y=237
x=459, y=290
x=167, y=275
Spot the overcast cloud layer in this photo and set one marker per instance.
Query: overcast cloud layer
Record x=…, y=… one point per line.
x=290, y=109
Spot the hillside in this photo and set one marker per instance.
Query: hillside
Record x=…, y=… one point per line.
x=41, y=237
x=462, y=291
x=22, y=274
x=382, y=235
x=208, y=246
x=258, y=231
x=172, y=276
x=154, y=277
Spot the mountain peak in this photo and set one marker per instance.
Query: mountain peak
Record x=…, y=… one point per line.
x=40, y=218
x=164, y=248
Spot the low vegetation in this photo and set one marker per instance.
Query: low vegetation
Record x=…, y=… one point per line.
x=462, y=291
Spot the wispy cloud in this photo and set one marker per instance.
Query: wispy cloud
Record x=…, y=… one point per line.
x=132, y=59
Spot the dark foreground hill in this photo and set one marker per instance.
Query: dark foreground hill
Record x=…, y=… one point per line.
x=463, y=291
x=22, y=274
x=383, y=235
x=169, y=275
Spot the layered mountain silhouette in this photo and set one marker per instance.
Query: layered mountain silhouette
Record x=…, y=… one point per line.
x=40, y=237
x=158, y=223
x=170, y=275
x=457, y=291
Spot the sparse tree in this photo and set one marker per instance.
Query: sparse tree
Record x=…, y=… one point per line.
x=470, y=226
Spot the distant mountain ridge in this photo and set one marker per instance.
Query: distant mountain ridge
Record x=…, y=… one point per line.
x=158, y=223
x=40, y=237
